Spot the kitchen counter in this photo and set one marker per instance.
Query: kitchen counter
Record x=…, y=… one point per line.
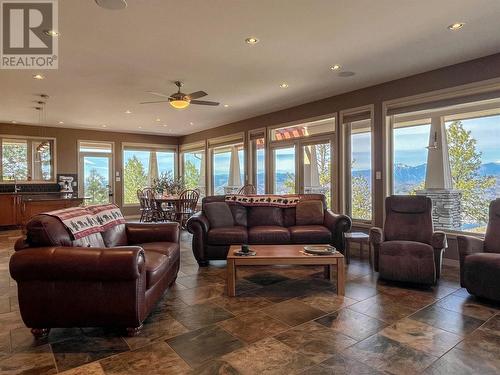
x=18, y=208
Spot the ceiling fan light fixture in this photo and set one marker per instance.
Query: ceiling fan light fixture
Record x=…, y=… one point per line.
x=179, y=103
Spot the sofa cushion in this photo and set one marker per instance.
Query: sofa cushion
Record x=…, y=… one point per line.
x=219, y=215
x=239, y=214
x=407, y=261
x=156, y=266
x=289, y=216
x=309, y=212
x=115, y=236
x=310, y=234
x=268, y=234
x=228, y=235
x=170, y=249
x=482, y=275
x=492, y=238
x=258, y=216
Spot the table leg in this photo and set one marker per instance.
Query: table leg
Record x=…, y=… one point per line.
x=340, y=277
x=329, y=272
x=231, y=278
x=370, y=254
x=347, y=252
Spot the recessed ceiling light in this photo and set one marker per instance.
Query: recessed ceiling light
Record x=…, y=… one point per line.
x=251, y=40
x=61, y=122
x=51, y=32
x=104, y=125
x=284, y=85
x=140, y=127
x=226, y=105
x=14, y=122
x=456, y=26
x=158, y=119
x=336, y=67
x=346, y=74
x=38, y=76
x=164, y=125
x=191, y=123
x=112, y=4
x=128, y=112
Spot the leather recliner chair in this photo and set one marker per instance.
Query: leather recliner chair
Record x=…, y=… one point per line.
x=480, y=259
x=113, y=278
x=408, y=249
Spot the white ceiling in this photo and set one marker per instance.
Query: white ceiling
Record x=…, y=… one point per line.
x=109, y=59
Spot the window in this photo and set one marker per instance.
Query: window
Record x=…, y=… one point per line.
x=228, y=171
x=258, y=160
x=409, y=157
x=358, y=166
x=142, y=165
x=302, y=130
x=227, y=164
x=284, y=170
x=194, y=170
x=451, y=155
x=27, y=159
x=301, y=160
x=95, y=172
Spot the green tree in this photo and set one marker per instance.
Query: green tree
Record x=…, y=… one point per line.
x=14, y=161
x=96, y=188
x=191, y=175
x=465, y=162
x=134, y=178
x=361, y=200
x=289, y=183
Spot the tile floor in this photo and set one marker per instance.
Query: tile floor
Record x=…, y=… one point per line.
x=283, y=321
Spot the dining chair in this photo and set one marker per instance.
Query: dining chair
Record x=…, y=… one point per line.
x=186, y=206
x=247, y=189
x=142, y=204
x=154, y=212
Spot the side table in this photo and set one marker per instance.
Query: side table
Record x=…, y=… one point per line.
x=357, y=237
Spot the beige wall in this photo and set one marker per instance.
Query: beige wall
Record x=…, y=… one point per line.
x=66, y=144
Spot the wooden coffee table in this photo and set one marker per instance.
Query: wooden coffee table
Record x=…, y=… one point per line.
x=268, y=255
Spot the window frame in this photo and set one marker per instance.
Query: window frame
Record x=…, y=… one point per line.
x=486, y=91
x=146, y=147
x=30, y=159
x=196, y=147
x=345, y=148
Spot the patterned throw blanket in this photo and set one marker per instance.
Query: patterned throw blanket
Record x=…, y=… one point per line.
x=264, y=200
x=83, y=221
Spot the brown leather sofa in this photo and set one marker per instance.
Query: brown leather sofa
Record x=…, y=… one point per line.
x=233, y=223
x=480, y=259
x=408, y=249
x=112, y=278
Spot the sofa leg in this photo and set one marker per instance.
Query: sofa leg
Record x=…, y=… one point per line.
x=40, y=333
x=131, y=332
x=203, y=263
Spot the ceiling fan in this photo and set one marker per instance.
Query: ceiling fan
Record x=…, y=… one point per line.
x=179, y=100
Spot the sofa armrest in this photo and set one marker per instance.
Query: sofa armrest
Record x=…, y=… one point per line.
x=138, y=233
x=439, y=240
x=338, y=224
x=467, y=245
x=198, y=219
x=376, y=236
x=199, y=226
x=78, y=263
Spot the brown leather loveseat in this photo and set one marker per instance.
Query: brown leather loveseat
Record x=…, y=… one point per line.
x=113, y=278
x=219, y=225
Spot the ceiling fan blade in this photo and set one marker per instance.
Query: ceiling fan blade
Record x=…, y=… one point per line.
x=157, y=101
x=158, y=94
x=197, y=94
x=204, y=102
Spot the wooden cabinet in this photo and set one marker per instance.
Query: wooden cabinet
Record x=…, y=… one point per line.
x=8, y=203
x=17, y=209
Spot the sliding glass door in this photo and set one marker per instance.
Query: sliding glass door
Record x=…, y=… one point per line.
x=96, y=172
